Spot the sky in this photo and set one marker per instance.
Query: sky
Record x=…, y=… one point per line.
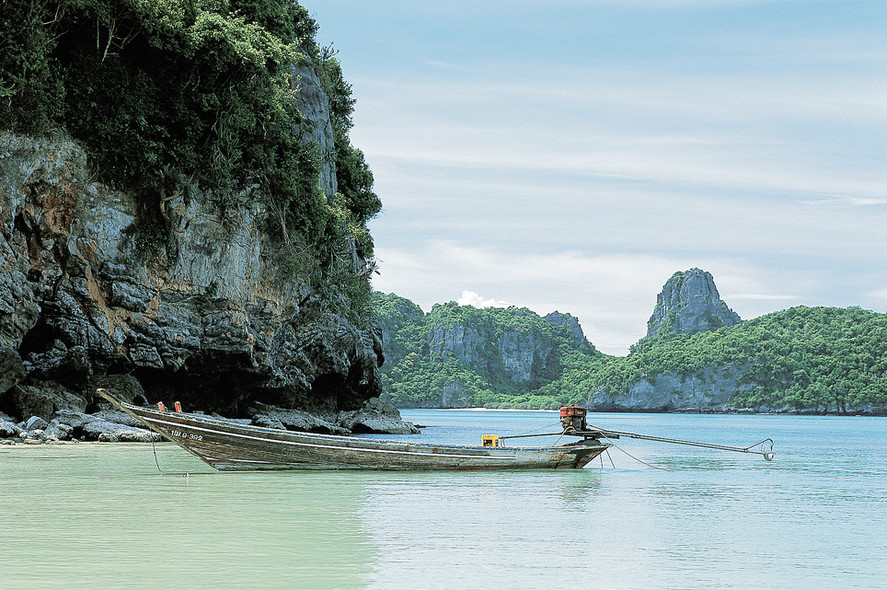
x=573, y=155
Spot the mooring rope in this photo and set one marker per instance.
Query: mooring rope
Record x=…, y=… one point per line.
x=608, y=457
x=633, y=457
x=156, y=462
x=535, y=432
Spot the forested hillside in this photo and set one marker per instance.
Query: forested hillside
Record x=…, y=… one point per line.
x=458, y=356
x=800, y=359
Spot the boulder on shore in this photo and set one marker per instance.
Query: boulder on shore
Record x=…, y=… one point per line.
x=376, y=416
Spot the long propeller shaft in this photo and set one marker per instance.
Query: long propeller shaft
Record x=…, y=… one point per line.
x=757, y=449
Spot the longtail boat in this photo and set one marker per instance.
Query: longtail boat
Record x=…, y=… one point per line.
x=229, y=445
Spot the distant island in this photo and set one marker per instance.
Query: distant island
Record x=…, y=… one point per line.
x=697, y=356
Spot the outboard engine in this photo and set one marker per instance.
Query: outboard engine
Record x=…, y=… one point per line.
x=573, y=418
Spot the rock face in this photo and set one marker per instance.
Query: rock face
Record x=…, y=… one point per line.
x=314, y=104
x=519, y=352
x=689, y=303
x=709, y=391
x=522, y=351
x=571, y=324
x=202, y=315
x=457, y=342
x=509, y=350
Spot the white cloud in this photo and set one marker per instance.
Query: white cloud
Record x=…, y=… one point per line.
x=474, y=300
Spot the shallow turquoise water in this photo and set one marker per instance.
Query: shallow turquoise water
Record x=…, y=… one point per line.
x=102, y=516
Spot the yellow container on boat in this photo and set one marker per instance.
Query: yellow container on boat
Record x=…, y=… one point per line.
x=489, y=440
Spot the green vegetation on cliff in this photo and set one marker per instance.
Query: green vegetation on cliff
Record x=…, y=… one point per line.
x=458, y=356
x=801, y=358
x=806, y=359
x=164, y=93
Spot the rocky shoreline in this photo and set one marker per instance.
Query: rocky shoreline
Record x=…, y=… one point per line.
x=109, y=425
x=70, y=425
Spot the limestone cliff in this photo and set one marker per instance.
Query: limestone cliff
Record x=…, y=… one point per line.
x=520, y=354
x=183, y=216
x=86, y=299
x=458, y=356
x=688, y=304
x=571, y=324
x=710, y=390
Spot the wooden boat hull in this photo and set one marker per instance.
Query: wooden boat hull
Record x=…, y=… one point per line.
x=231, y=446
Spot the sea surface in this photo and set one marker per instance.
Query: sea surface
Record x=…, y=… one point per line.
x=650, y=515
